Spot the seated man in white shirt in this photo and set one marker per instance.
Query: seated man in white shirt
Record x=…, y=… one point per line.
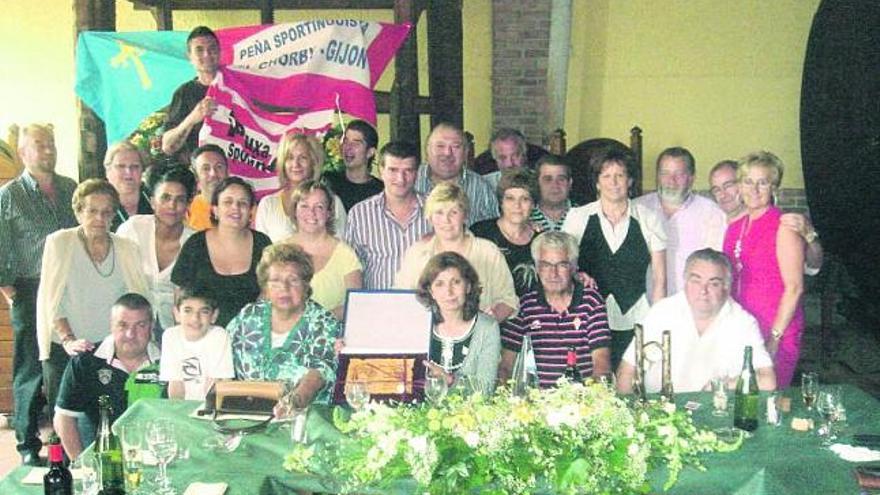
x=709, y=332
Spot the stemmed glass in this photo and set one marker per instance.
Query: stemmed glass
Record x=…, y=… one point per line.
x=809, y=387
x=829, y=406
x=162, y=443
x=435, y=388
x=131, y=435
x=357, y=393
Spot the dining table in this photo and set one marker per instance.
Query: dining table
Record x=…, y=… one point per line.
x=774, y=459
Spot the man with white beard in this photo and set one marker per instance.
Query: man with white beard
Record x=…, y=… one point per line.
x=692, y=222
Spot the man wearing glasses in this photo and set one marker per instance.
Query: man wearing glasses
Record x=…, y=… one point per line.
x=561, y=314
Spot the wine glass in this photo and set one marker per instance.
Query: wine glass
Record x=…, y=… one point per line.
x=131, y=436
x=809, y=387
x=357, y=393
x=829, y=406
x=719, y=396
x=435, y=388
x=162, y=442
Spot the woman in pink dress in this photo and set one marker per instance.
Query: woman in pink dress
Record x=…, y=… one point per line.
x=768, y=263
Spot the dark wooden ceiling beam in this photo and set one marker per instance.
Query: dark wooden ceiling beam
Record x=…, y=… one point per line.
x=445, y=72
x=257, y=4
x=405, y=125
x=267, y=12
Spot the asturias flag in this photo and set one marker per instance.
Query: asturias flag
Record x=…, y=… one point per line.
x=124, y=77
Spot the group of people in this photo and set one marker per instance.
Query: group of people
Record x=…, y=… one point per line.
x=179, y=276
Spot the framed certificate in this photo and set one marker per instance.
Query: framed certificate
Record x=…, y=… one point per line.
x=387, y=335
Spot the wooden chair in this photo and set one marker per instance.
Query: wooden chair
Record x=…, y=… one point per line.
x=579, y=157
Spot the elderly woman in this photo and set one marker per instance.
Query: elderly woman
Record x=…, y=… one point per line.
x=447, y=211
x=124, y=165
x=621, y=243
x=300, y=158
x=161, y=235
x=336, y=265
x=464, y=341
x=287, y=336
x=223, y=259
x=768, y=263
x=84, y=271
x=513, y=232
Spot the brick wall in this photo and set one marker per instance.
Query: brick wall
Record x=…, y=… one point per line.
x=520, y=46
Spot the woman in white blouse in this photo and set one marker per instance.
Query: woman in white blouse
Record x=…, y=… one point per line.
x=161, y=235
x=299, y=158
x=621, y=243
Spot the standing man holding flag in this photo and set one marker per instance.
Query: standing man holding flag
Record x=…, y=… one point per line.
x=189, y=105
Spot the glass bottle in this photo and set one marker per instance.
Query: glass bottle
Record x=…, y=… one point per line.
x=109, y=452
x=571, y=371
x=525, y=370
x=58, y=481
x=745, y=409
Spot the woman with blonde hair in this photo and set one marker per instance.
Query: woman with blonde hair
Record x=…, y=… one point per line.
x=336, y=265
x=447, y=211
x=768, y=263
x=300, y=158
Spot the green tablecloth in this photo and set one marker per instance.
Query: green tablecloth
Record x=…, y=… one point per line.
x=776, y=460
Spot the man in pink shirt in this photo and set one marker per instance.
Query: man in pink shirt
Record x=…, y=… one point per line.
x=692, y=222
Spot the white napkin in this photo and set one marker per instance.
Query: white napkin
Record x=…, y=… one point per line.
x=855, y=454
x=35, y=476
x=199, y=488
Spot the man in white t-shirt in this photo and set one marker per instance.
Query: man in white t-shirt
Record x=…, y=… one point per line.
x=709, y=332
x=195, y=352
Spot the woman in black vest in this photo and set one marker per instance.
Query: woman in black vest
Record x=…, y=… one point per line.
x=621, y=244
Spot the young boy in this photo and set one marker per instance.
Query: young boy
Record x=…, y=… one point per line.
x=195, y=352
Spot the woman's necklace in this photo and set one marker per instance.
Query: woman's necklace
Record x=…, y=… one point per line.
x=519, y=235
x=112, y=254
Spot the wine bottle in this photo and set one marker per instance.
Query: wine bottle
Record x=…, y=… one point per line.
x=571, y=371
x=745, y=409
x=58, y=481
x=109, y=452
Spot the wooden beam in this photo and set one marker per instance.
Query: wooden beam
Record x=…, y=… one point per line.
x=421, y=104
x=267, y=12
x=256, y=4
x=163, y=13
x=92, y=15
x=405, y=125
x=445, y=61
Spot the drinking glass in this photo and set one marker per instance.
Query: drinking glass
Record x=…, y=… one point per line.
x=435, y=388
x=162, y=442
x=809, y=388
x=719, y=396
x=357, y=393
x=89, y=480
x=131, y=435
x=829, y=406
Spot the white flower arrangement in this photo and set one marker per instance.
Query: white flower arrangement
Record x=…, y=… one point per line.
x=572, y=439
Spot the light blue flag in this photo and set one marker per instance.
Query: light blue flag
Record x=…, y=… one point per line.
x=124, y=77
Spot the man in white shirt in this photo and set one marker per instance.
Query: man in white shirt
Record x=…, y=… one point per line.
x=691, y=221
x=709, y=332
